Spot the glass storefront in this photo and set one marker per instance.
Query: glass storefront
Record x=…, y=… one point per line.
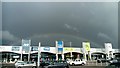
x=44, y=56
x=95, y=56
x=9, y=57
x=74, y=55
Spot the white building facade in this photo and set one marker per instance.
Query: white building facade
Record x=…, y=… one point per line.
x=14, y=52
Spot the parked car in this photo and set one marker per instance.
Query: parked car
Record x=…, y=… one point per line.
x=20, y=64
x=68, y=61
x=45, y=63
x=62, y=63
x=78, y=62
x=103, y=60
x=113, y=65
x=55, y=64
x=113, y=61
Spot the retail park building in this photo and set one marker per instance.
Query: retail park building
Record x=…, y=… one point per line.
x=12, y=53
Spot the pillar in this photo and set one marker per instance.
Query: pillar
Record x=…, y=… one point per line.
x=89, y=55
x=62, y=56
x=56, y=56
x=84, y=55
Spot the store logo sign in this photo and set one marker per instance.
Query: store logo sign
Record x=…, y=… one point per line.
x=68, y=49
x=46, y=48
x=2, y=48
x=60, y=44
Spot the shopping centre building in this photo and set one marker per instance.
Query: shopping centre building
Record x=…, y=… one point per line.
x=13, y=53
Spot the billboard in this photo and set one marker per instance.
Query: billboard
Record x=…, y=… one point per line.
x=86, y=46
x=59, y=45
x=108, y=47
x=26, y=45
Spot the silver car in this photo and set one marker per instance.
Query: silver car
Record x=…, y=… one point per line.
x=20, y=64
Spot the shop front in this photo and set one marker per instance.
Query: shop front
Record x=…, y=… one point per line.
x=9, y=57
x=72, y=53
x=98, y=55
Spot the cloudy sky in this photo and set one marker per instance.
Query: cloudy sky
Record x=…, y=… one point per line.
x=47, y=22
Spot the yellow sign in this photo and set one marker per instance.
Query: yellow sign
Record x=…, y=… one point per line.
x=87, y=46
x=68, y=49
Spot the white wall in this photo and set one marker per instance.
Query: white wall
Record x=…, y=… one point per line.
x=53, y=50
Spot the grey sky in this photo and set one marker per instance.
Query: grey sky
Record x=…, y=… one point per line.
x=46, y=22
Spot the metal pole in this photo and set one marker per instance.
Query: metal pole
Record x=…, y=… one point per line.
x=21, y=50
x=39, y=55
x=106, y=59
x=29, y=54
x=29, y=50
x=70, y=50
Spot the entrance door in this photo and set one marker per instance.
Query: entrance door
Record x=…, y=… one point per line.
x=59, y=57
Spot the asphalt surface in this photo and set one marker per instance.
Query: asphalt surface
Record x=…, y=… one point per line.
x=86, y=66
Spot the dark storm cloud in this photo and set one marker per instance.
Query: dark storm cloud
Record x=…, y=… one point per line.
x=0, y=21
x=94, y=22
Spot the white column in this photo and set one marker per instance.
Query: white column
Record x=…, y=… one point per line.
x=56, y=56
x=56, y=50
x=29, y=53
x=21, y=53
x=29, y=50
x=70, y=50
x=90, y=55
x=62, y=56
x=112, y=55
x=39, y=54
x=85, y=56
x=78, y=56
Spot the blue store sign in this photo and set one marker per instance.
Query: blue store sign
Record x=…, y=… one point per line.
x=60, y=44
x=60, y=49
x=46, y=49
